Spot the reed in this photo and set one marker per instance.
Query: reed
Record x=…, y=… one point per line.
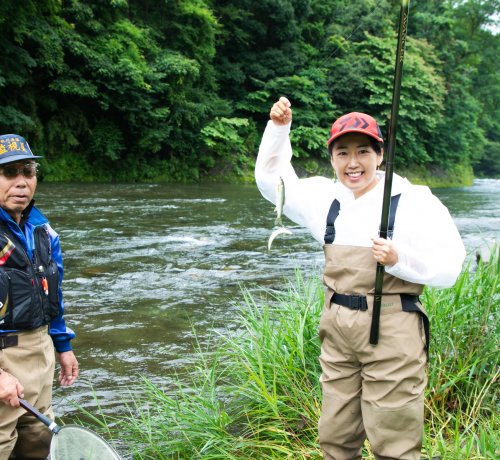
x=258, y=397
x=462, y=394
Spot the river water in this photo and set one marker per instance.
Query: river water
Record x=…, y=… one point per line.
x=151, y=268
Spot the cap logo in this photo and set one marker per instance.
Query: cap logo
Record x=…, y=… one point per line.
x=357, y=121
x=13, y=144
x=14, y=147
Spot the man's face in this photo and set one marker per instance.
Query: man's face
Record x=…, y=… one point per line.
x=17, y=187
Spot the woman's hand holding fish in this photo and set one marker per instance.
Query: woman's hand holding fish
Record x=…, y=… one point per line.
x=281, y=113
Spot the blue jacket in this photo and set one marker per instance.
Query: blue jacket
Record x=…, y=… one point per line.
x=61, y=335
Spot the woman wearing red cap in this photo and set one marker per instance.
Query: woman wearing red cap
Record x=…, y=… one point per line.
x=374, y=392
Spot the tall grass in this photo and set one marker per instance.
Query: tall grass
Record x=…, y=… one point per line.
x=462, y=396
x=258, y=397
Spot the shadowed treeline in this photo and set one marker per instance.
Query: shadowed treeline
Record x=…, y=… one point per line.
x=130, y=90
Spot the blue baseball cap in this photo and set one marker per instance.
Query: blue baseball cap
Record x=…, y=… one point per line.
x=15, y=148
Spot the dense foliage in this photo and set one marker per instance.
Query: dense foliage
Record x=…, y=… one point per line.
x=181, y=89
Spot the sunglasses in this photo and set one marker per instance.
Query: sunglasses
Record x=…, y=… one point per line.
x=28, y=170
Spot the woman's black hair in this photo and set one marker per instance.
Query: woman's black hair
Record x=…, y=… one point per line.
x=375, y=145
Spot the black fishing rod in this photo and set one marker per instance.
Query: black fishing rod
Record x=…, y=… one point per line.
x=391, y=143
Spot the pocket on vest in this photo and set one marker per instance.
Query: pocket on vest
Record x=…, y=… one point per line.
x=17, y=289
x=53, y=284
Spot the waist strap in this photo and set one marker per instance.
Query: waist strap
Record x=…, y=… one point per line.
x=7, y=341
x=410, y=303
x=358, y=302
x=354, y=302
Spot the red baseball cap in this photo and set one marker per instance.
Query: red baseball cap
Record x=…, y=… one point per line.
x=355, y=122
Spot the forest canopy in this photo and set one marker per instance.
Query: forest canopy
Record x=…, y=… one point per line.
x=180, y=90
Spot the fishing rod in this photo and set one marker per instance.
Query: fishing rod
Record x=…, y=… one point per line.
x=391, y=143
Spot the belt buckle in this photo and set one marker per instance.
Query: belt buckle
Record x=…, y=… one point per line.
x=357, y=303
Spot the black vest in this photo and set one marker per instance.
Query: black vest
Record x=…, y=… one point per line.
x=28, y=288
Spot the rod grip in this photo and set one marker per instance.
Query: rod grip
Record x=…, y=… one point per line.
x=53, y=426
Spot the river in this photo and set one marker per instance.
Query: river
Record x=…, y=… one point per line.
x=151, y=268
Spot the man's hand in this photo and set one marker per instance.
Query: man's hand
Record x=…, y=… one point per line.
x=10, y=389
x=281, y=113
x=69, y=368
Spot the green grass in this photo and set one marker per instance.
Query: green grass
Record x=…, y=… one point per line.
x=462, y=395
x=258, y=396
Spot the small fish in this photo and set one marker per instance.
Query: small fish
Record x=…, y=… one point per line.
x=277, y=232
x=280, y=202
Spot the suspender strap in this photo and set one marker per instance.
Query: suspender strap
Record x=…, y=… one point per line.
x=335, y=210
x=330, y=222
x=392, y=215
x=411, y=304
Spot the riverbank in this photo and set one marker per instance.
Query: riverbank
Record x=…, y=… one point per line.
x=257, y=395
x=70, y=169
x=432, y=176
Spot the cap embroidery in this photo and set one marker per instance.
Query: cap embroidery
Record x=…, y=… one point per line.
x=14, y=147
x=358, y=121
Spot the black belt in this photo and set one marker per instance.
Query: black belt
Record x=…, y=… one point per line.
x=354, y=302
x=358, y=302
x=7, y=341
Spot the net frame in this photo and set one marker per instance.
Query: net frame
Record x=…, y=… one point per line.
x=73, y=442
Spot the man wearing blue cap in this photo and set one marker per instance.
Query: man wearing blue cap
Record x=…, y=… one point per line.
x=31, y=307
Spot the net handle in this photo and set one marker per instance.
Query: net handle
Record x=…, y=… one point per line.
x=53, y=426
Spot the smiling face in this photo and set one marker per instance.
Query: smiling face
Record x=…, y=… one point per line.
x=355, y=162
x=16, y=192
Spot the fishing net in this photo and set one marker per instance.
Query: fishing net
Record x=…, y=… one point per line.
x=78, y=443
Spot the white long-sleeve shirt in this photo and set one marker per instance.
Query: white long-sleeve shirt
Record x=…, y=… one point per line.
x=430, y=249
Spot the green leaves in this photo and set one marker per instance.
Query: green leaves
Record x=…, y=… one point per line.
x=227, y=141
x=172, y=81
